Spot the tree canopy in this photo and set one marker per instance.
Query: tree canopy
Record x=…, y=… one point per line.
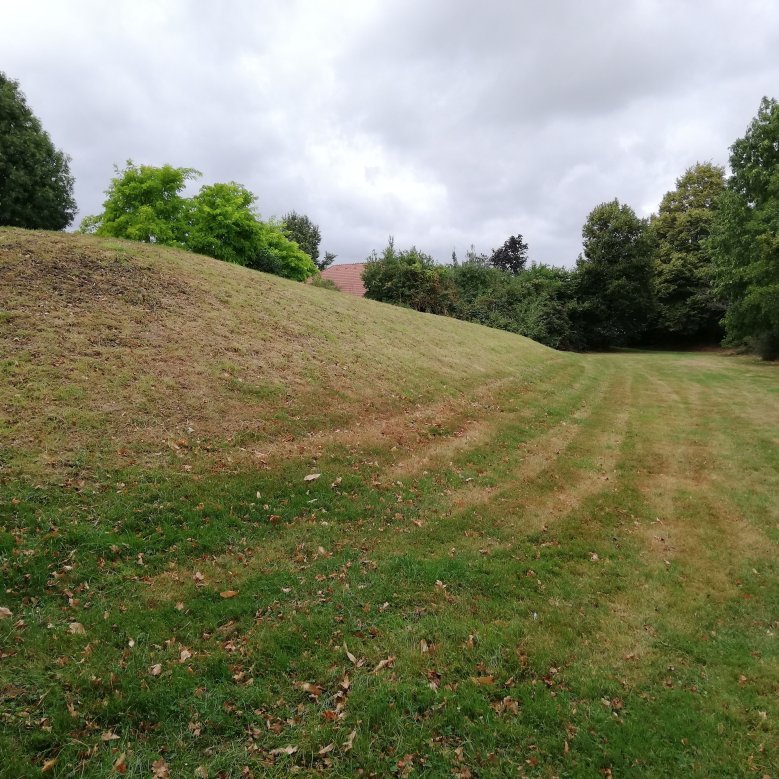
x=36, y=187
x=745, y=236
x=512, y=256
x=687, y=306
x=613, y=277
x=275, y=253
x=221, y=223
x=144, y=203
x=300, y=229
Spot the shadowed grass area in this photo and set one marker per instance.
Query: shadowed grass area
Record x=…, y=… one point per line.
x=514, y=562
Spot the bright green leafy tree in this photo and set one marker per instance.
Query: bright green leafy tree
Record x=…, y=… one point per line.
x=745, y=236
x=275, y=253
x=36, y=188
x=221, y=223
x=144, y=203
x=687, y=306
x=613, y=278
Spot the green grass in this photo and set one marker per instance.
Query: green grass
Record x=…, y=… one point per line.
x=541, y=564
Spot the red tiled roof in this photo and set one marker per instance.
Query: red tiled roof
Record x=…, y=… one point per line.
x=347, y=277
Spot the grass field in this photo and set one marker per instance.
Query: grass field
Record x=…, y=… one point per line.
x=253, y=528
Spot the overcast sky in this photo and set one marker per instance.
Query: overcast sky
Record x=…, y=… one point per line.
x=442, y=122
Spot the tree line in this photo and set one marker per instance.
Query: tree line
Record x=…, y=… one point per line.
x=704, y=269
x=706, y=266
x=636, y=280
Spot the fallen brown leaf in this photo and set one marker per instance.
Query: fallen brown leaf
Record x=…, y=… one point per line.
x=314, y=690
x=159, y=769
x=108, y=735
x=312, y=477
x=290, y=750
x=156, y=670
x=388, y=662
x=48, y=765
x=349, y=743
x=120, y=764
x=228, y=594
x=5, y=612
x=76, y=628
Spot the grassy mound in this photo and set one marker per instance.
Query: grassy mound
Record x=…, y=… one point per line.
x=113, y=351
x=253, y=528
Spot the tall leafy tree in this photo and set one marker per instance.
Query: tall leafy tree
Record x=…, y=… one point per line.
x=613, y=277
x=36, y=188
x=687, y=307
x=512, y=256
x=745, y=236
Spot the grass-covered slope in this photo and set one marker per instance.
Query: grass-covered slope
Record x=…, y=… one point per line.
x=512, y=561
x=116, y=352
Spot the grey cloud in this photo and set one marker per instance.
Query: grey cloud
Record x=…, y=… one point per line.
x=443, y=123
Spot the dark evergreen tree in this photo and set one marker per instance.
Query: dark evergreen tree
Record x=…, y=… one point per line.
x=36, y=188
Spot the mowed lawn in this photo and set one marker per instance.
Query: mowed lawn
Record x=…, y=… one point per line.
x=437, y=550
